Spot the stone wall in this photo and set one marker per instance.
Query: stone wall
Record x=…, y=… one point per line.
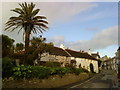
x=52, y=82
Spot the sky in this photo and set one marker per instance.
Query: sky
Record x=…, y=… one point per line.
x=76, y=25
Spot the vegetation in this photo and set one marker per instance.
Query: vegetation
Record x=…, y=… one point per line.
x=28, y=20
x=19, y=47
x=38, y=47
x=21, y=71
x=7, y=66
x=7, y=46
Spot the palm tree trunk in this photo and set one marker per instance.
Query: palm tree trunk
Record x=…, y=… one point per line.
x=27, y=37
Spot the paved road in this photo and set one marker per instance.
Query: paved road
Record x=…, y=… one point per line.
x=95, y=82
x=101, y=80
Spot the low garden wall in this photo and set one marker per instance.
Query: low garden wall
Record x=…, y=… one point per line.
x=51, y=82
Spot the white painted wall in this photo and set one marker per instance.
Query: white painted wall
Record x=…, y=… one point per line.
x=85, y=63
x=45, y=57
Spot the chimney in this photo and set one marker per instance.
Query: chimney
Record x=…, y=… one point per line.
x=97, y=53
x=61, y=46
x=89, y=52
x=80, y=50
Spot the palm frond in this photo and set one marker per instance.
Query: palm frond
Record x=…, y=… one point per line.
x=20, y=29
x=41, y=25
x=39, y=17
x=18, y=10
x=42, y=21
x=15, y=27
x=35, y=12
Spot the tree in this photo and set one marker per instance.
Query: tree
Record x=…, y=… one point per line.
x=27, y=20
x=19, y=46
x=7, y=45
x=38, y=47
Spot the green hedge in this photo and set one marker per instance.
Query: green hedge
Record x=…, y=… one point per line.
x=21, y=71
x=7, y=67
x=42, y=71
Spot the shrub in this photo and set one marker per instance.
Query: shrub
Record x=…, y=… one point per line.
x=60, y=71
x=77, y=71
x=85, y=70
x=52, y=64
x=22, y=71
x=40, y=72
x=7, y=66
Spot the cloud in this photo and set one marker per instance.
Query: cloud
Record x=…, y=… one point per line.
x=63, y=11
x=57, y=40
x=100, y=40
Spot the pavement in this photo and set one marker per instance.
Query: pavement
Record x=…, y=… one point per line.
x=107, y=79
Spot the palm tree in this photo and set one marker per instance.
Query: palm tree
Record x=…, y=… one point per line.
x=28, y=20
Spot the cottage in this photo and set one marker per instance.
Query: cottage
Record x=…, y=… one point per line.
x=84, y=60
x=64, y=56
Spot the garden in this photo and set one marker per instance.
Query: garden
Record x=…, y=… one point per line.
x=10, y=69
x=22, y=76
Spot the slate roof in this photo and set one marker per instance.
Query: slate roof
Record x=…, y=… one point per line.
x=58, y=51
x=80, y=54
x=95, y=55
x=68, y=52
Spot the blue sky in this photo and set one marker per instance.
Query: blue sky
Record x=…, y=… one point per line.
x=78, y=26
x=86, y=24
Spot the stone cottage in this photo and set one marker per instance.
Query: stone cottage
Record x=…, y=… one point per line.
x=64, y=57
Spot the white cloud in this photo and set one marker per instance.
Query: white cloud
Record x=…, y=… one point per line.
x=57, y=40
x=63, y=11
x=100, y=40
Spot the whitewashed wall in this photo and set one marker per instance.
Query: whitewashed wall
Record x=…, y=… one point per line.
x=45, y=57
x=85, y=63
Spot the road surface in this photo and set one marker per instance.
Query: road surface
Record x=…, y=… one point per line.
x=106, y=79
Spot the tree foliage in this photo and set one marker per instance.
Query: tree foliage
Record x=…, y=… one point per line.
x=38, y=47
x=19, y=46
x=7, y=45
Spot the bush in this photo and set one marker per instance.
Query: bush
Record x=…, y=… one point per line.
x=52, y=64
x=77, y=71
x=40, y=72
x=59, y=71
x=85, y=70
x=22, y=71
x=7, y=66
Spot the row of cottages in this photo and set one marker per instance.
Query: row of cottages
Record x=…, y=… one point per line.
x=64, y=57
x=110, y=64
